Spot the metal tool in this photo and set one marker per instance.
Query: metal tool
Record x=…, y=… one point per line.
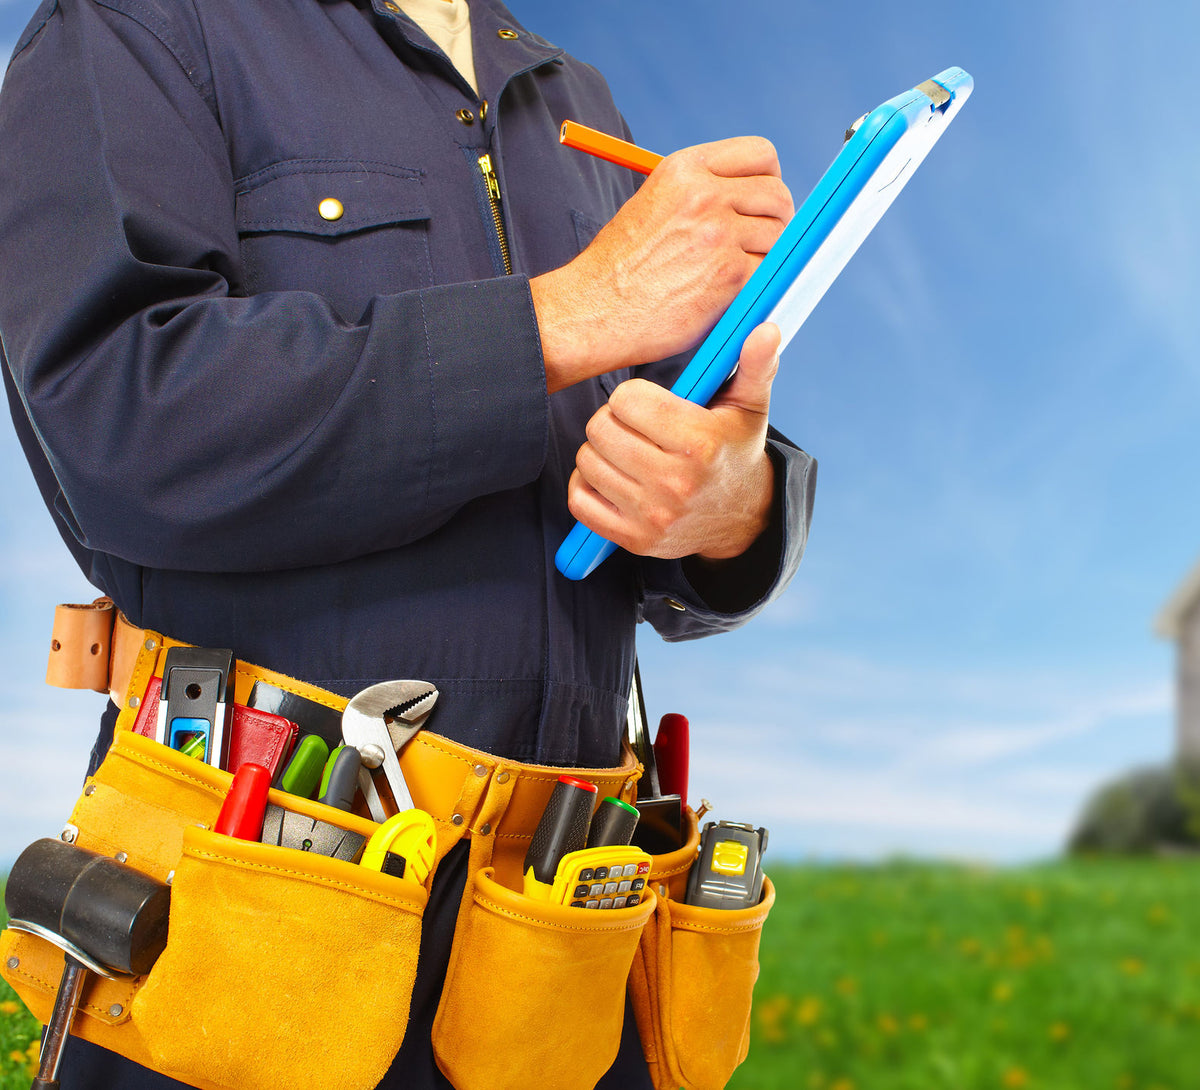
x=660, y=821
x=379, y=722
x=307, y=834
x=105, y=916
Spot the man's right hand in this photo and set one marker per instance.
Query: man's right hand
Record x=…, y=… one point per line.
x=656, y=279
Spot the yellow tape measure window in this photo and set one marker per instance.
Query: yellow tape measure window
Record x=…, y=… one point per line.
x=729, y=857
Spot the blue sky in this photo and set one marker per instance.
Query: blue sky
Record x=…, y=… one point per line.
x=1001, y=390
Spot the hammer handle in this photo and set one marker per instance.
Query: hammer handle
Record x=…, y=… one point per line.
x=59, y=1027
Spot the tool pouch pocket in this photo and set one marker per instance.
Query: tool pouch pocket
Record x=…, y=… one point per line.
x=265, y=944
x=692, y=980
x=536, y=991
x=267, y=947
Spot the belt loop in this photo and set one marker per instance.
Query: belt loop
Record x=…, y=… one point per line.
x=462, y=819
x=495, y=802
x=81, y=646
x=499, y=791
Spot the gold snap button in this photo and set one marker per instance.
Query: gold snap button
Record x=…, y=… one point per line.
x=507, y=35
x=676, y=605
x=483, y=108
x=330, y=209
x=393, y=8
x=465, y=116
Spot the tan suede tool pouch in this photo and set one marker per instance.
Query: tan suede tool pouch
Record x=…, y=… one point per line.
x=263, y=940
x=693, y=978
x=535, y=995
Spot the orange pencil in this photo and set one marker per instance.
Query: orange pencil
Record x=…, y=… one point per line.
x=608, y=147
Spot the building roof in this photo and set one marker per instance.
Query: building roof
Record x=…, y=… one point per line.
x=1169, y=622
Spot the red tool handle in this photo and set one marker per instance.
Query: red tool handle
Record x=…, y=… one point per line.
x=671, y=755
x=242, y=811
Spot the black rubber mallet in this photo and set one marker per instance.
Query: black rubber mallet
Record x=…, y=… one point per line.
x=105, y=916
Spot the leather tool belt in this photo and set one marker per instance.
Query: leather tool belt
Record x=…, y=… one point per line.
x=259, y=933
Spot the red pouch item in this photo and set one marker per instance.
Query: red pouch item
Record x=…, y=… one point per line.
x=256, y=737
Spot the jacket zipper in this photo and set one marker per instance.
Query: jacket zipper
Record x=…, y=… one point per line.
x=493, y=191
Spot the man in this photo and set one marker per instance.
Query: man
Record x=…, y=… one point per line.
x=306, y=327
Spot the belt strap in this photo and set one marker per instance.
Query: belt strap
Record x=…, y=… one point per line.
x=94, y=646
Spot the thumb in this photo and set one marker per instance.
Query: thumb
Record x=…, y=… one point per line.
x=750, y=387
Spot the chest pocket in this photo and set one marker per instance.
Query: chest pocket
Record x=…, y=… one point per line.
x=347, y=230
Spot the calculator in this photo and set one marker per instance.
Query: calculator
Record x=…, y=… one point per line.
x=612, y=876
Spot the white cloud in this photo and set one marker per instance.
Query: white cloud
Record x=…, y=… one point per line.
x=848, y=755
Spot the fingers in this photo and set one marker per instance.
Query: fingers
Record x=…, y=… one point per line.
x=738, y=156
x=661, y=476
x=660, y=273
x=639, y=412
x=761, y=196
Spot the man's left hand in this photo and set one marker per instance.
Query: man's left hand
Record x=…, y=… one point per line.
x=660, y=476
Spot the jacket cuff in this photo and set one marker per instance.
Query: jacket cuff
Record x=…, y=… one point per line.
x=689, y=598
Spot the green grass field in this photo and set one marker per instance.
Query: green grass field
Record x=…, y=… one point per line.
x=1069, y=976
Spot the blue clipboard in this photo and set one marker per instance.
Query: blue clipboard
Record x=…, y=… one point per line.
x=881, y=153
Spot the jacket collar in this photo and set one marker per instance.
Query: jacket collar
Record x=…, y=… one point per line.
x=499, y=56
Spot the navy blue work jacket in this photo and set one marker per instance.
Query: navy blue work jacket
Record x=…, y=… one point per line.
x=318, y=433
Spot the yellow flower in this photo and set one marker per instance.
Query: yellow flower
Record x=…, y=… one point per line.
x=1016, y=1077
x=888, y=1024
x=808, y=1011
x=918, y=1022
x=1158, y=914
x=770, y=1014
x=1132, y=966
x=1002, y=991
x=847, y=986
x=1060, y=1031
x=17, y=1057
x=842, y=1084
x=9, y=1007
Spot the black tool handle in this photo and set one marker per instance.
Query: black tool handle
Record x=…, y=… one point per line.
x=612, y=823
x=343, y=779
x=563, y=827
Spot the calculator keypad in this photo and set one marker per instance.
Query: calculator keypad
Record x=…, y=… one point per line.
x=616, y=886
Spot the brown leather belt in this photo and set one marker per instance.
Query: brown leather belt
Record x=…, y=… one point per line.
x=467, y=791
